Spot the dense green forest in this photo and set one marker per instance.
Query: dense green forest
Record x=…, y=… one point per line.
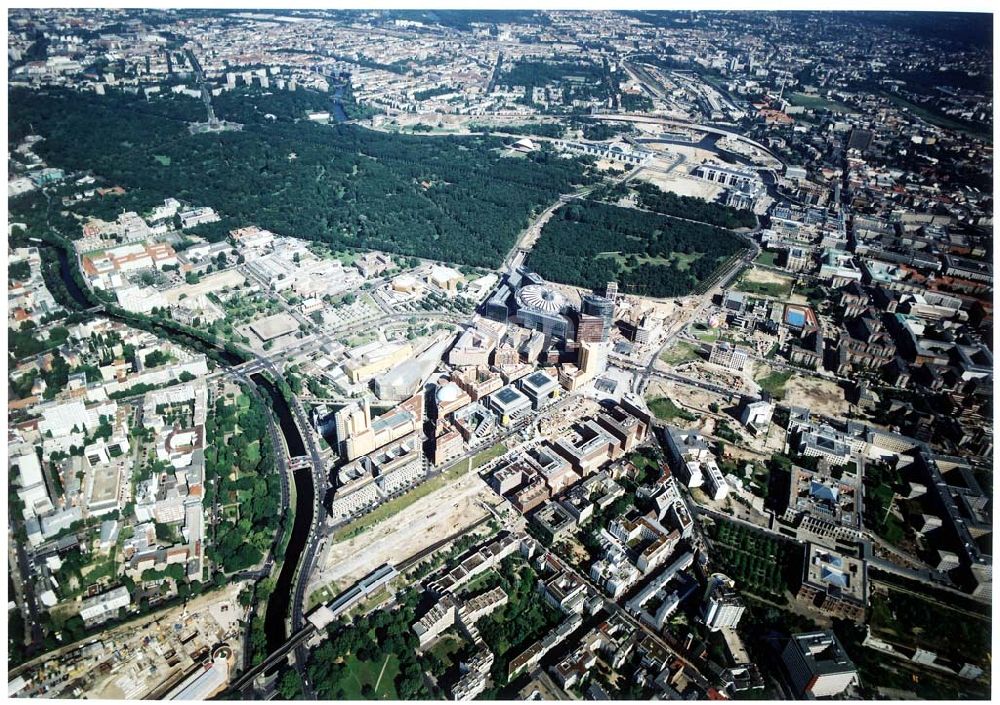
x=448, y=198
x=589, y=243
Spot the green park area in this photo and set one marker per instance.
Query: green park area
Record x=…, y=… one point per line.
x=372, y=658
x=371, y=680
x=589, y=243
x=774, y=383
x=665, y=410
x=239, y=468
x=818, y=102
x=923, y=622
x=882, y=483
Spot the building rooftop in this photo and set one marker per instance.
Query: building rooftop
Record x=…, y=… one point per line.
x=837, y=574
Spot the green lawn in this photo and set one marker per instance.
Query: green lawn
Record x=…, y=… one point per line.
x=773, y=289
x=163, y=160
x=665, y=410
x=488, y=455
x=367, y=672
x=683, y=262
x=715, y=334
x=774, y=383
x=679, y=352
x=361, y=339
x=768, y=258
x=253, y=453
x=324, y=594
x=444, y=647
x=646, y=463
x=815, y=102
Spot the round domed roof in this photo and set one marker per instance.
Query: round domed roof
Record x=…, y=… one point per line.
x=447, y=393
x=541, y=298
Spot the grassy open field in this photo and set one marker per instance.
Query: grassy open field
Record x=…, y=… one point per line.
x=367, y=673
x=764, y=282
x=816, y=102
x=665, y=410
x=775, y=382
x=679, y=352
x=767, y=257
x=488, y=455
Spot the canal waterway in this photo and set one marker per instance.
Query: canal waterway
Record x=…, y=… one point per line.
x=278, y=603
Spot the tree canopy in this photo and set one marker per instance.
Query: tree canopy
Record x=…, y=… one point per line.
x=589, y=243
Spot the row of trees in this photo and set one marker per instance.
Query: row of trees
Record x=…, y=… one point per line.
x=589, y=243
x=655, y=199
x=760, y=564
x=446, y=198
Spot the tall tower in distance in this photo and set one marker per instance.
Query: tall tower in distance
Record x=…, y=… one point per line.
x=611, y=292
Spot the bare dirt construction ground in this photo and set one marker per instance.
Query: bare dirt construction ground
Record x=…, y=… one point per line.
x=429, y=519
x=459, y=124
x=766, y=276
x=819, y=395
x=683, y=185
x=212, y=618
x=605, y=164
x=695, y=155
x=702, y=371
x=208, y=284
x=687, y=398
